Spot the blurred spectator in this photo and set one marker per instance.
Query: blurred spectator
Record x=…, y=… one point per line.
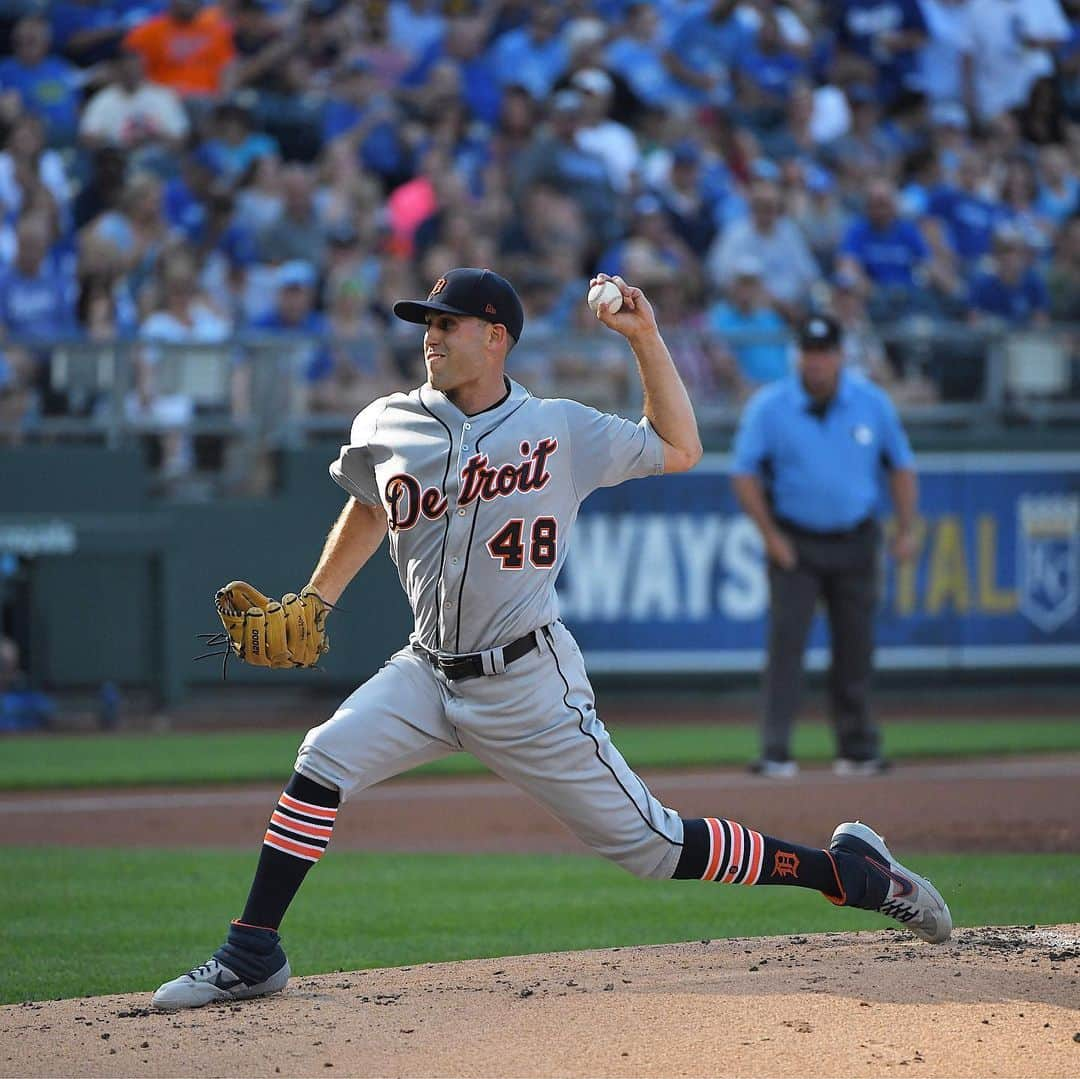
x=767, y=68
x=43, y=84
x=942, y=60
x=813, y=118
x=864, y=351
x=868, y=148
x=637, y=56
x=129, y=239
x=879, y=42
x=888, y=253
x=32, y=178
x=691, y=207
x=814, y=205
x=297, y=232
x=234, y=146
x=366, y=120
x=37, y=303
x=651, y=232
x=132, y=113
x=1059, y=188
x=1012, y=291
x=188, y=47
x=554, y=158
x=704, y=49
x=103, y=186
x=458, y=55
x=749, y=328
x=601, y=135
x=21, y=708
x=788, y=268
x=1019, y=197
x=264, y=35
x=37, y=292
x=89, y=32
x=294, y=318
x=355, y=368
x=1010, y=51
x=969, y=217
x=533, y=55
x=414, y=25
x=1063, y=276
x=180, y=315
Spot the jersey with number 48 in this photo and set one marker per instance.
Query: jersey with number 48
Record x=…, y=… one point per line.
x=480, y=508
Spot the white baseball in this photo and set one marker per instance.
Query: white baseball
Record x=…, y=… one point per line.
x=606, y=292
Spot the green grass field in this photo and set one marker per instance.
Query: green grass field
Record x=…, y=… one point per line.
x=51, y=761
x=78, y=922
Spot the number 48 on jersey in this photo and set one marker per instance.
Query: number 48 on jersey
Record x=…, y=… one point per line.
x=508, y=544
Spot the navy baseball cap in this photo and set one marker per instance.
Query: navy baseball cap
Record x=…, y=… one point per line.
x=469, y=291
x=819, y=333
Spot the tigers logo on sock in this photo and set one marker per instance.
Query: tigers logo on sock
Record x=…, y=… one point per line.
x=786, y=864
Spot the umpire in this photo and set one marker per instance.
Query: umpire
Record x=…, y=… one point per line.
x=810, y=454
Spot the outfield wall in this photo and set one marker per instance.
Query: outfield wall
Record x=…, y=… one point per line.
x=664, y=575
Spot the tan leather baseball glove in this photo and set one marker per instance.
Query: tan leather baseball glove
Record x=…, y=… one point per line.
x=267, y=632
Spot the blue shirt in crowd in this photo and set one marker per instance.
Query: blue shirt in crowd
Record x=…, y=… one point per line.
x=822, y=473
x=709, y=47
x=757, y=340
x=381, y=149
x=860, y=24
x=890, y=256
x=1015, y=303
x=969, y=220
x=38, y=306
x=49, y=89
x=517, y=58
x=310, y=359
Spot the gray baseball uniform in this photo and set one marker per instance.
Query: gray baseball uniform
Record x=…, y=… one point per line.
x=480, y=510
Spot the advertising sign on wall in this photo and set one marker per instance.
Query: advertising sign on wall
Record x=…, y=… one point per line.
x=667, y=574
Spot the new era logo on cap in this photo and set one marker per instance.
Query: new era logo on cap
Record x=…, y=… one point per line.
x=470, y=291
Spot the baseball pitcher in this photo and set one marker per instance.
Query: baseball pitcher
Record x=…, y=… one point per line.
x=478, y=485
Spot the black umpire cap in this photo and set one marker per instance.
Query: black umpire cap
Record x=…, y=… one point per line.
x=469, y=291
x=818, y=333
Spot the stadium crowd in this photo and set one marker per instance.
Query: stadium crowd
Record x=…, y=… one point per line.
x=174, y=172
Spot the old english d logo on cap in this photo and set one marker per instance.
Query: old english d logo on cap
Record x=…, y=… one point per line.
x=437, y=287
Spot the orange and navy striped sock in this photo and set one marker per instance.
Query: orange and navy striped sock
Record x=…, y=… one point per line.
x=296, y=837
x=730, y=853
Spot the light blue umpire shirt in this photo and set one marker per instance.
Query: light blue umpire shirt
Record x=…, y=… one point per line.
x=822, y=472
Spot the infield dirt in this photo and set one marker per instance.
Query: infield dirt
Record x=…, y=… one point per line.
x=990, y=1002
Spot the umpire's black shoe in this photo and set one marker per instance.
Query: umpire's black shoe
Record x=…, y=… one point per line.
x=251, y=963
x=874, y=880
x=861, y=766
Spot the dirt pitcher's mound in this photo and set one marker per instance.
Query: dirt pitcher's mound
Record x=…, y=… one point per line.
x=991, y=1002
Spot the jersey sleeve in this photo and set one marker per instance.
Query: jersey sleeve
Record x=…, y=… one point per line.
x=354, y=469
x=606, y=449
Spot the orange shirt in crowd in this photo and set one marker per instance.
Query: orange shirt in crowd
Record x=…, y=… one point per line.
x=188, y=56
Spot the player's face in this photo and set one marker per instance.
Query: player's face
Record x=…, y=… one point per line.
x=454, y=351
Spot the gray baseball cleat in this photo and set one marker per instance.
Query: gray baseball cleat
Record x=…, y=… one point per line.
x=214, y=982
x=251, y=963
x=890, y=888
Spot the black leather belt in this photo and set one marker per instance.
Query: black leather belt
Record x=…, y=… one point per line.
x=858, y=529
x=471, y=664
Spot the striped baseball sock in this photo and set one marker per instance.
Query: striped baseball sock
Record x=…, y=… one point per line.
x=298, y=833
x=729, y=852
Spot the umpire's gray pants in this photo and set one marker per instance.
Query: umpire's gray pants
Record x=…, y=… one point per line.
x=535, y=725
x=841, y=570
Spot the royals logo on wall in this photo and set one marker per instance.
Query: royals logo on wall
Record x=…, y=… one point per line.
x=1048, y=558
